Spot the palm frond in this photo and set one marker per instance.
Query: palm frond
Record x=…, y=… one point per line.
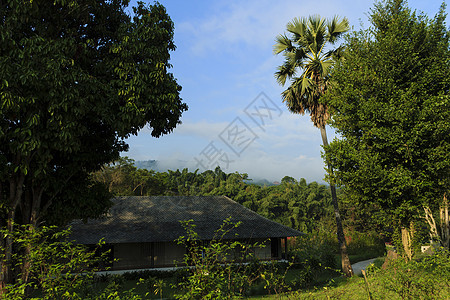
x=303, y=53
x=306, y=85
x=285, y=71
x=292, y=98
x=297, y=27
x=283, y=43
x=336, y=28
x=316, y=32
x=300, y=56
x=297, y=57
x=326, y=66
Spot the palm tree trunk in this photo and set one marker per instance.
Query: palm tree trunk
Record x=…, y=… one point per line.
x=346, y=266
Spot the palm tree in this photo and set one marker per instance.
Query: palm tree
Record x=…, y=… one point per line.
x=307, y=65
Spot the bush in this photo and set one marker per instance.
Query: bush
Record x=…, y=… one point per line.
x=375, y=266
x=426, y=277
x=316, y=250
x=215, y=275
x=369, y=243
x=58, y=269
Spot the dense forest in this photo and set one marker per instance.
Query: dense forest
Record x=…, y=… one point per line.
x=297, y=204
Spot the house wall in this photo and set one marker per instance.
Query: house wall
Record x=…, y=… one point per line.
x=271, y=250
x=132, y=256
x=262, y=253
x=147, y=255
x=166, y=254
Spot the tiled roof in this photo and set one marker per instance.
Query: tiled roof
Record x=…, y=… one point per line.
x=157, y=219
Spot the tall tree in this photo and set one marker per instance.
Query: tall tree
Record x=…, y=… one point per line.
x=307, y=65
x=76, y=78
x=392, y=110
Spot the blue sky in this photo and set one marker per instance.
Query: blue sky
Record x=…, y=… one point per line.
x=225, y=64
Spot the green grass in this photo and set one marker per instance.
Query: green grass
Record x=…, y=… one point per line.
x=340, y=288
x=382, y=284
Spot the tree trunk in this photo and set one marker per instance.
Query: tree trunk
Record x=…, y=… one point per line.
x=6, y=273
x=407, y=236
x=445, y=223
x=345, y=261
x=31, y=218
x=15, y=196
x=434, y=236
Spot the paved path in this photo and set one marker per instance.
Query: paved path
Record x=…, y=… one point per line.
x=362, y=265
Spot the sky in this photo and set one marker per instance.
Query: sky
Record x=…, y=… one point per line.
x=225, y=64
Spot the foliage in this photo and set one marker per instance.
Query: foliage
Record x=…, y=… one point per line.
x=316, y=251
x=426, y=277
x=369, y=242
x=224, y=269
x=77, y=77
x=392, y=113
x=58, y=268
x=218, y=266
x=72, y=90
x=305, y=53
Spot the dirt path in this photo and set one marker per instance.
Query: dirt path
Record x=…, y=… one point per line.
x=361, y=265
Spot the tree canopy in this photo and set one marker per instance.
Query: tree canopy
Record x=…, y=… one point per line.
x=392, y=110
x=76, y=78
x=308, y=62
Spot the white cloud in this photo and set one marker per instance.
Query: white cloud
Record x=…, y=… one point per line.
x=204, y=129
x=260, y=165
x=256, y=22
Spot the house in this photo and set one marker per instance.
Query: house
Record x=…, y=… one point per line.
x=141, y=231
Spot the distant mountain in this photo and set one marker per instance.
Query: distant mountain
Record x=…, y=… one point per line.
x=147, y=164
x=260, y=182
x=161, y=166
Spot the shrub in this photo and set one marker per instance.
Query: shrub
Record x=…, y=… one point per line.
x=58, y=269
x=215, y=274
x=426, y=277
x=370, y=243
x=316, y=250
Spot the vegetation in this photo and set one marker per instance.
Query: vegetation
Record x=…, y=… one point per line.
x=423, y=278
x=76, y=78
x=392, y=112
x=305, y=53
x=400, y=280
x=213, y=276
x=56, y=267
